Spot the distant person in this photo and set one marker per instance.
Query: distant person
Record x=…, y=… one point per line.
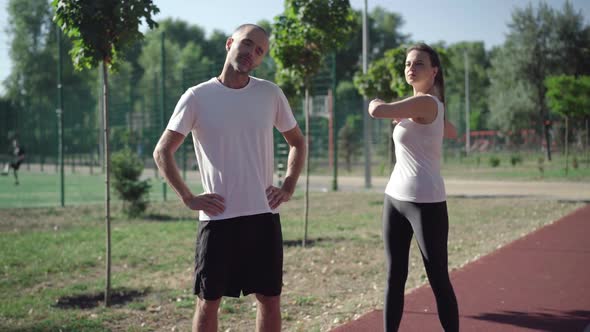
x=231, y=118
x=415, y=198
x=18, y=154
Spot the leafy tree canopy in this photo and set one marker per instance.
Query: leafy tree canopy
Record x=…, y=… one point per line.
x=305, y=33
x=99, y=30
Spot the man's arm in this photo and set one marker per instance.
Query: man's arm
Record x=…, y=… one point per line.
x=211, y=204
x=295, y=162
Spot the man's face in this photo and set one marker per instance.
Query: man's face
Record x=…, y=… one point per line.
x=246, y=49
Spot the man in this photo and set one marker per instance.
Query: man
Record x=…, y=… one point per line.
x=231, y=118
x=19, y=156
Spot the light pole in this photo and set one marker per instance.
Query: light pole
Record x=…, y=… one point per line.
x=467, y=120
x=366, y=123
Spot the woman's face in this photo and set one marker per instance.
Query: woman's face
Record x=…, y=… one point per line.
x=419, y=70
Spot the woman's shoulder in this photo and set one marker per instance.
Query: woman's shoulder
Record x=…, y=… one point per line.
x=436, y=98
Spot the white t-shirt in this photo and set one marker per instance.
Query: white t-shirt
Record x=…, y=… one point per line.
x=232, y=132
x=418, y=147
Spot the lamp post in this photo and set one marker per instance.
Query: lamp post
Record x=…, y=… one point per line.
x=467, y=118
x=366, y=122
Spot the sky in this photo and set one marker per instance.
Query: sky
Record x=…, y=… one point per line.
x=426, y=20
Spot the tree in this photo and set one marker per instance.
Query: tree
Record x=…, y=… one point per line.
x=215, y=48
x=572, y=39
x=384, y=34
x=537, y=46
x=302, y=36
x=33, y=54
x=127, y=170
x=385, y=77
x=479, y=82
x=151, y=62
x=511, y=99
x=570, y=97
x=348, y=103
x=100, y=30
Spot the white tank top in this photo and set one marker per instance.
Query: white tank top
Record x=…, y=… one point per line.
x=416, y=175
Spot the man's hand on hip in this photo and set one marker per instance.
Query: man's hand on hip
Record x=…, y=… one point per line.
x=211, y=204
x=276, y=196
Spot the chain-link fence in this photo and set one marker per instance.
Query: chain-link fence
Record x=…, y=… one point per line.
x=141, y=104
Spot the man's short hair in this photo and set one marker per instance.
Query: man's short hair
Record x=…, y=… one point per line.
x=250, y=25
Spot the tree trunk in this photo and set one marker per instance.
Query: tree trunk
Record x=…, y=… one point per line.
x=566, y=144
x=547, y=135
x=107, y=165
x=100, y=122
x=587, y=139
x=306, y=200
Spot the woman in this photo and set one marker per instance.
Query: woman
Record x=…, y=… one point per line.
x=415, y=199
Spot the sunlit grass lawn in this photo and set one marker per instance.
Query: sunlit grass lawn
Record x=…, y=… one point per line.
x=51, y=254
x=477, y=166
x=527, y=167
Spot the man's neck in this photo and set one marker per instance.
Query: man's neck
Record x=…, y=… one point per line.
x=233, y=79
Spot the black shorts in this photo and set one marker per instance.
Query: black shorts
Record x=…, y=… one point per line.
x=239, y=255
x=15, y=165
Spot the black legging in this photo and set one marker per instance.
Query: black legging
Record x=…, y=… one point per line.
x=430, y=223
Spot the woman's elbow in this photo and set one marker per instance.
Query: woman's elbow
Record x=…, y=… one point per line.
x=373, y=112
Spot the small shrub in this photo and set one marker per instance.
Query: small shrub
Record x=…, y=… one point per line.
x=126, y=170
x=494, y=161
x=515, y=159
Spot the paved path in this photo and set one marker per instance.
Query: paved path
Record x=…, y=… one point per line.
x=540, y=282
x=576, y=191
x=562, y=190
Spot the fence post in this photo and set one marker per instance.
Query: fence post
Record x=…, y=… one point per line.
x=163, y=97
x=60, y=121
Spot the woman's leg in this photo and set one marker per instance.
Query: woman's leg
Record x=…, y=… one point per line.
x=397, y=235
x=430, y=223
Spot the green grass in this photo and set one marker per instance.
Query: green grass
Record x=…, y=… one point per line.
x=455, y=166
x=478, y=166
x=51, y=254
x=43, y=189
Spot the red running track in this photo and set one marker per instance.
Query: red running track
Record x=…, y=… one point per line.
x=540, y=282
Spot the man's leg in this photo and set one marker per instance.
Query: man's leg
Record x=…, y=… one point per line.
x=268, y=314
x=15, y=171
x=205, y=319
